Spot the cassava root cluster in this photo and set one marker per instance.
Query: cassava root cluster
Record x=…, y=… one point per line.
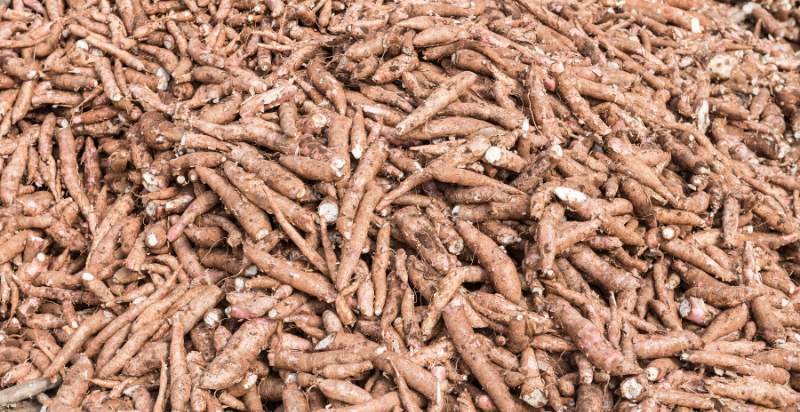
x=367, y=206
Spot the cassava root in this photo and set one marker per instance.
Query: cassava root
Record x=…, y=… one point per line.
x=407, y=205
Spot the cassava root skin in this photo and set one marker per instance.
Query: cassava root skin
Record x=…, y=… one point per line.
x=399, y=205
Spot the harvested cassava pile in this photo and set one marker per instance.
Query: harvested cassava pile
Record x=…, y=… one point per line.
x=356, y=206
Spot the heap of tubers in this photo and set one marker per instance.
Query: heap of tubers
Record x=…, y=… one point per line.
x=369, y=206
